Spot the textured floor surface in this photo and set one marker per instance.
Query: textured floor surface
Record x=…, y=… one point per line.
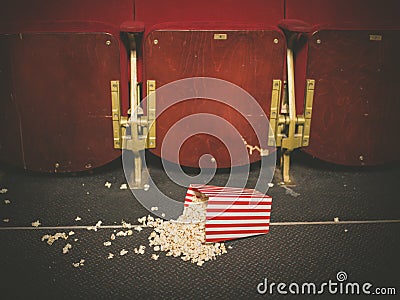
x=31, y=269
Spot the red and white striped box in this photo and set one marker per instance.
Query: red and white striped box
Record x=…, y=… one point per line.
x=232, y=213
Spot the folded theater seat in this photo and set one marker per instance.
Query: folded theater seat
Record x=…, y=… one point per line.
x=57, y=61
x=70, y=71
x=234, y=41
x=352, y=54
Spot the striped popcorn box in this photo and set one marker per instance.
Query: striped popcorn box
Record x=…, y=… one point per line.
x=231, y=213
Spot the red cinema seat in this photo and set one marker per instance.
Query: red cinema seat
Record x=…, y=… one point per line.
x=235, y=41
x=353, y=55
x=57, y=59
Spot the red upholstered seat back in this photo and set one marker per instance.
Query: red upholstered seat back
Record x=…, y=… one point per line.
x=344, y=14
x=248, y=58
x=57, y=61
x=353, y=56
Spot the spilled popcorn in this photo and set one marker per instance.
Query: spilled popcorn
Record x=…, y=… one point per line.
x=66, y=248
x=107, y=184
x=123, y=252
x=124, y=233
x=140, y=250
x=126, y=225
x=185, y=236
x=3, y=191
x=123, y=186
x=79, y=264
x=36, y=223
x=78, y=218
x=95, y=227
x=7, y=201
x=142, y=220
x=52, y=238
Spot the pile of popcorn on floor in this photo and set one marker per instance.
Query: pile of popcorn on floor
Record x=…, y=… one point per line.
x=184, y=237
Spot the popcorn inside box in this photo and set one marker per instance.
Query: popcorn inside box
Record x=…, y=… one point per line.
x=227, y=213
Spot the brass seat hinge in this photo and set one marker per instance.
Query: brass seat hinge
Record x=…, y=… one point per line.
x=145, y=124
x=139, y=131
x=151, y=114
x=310, y=85
x=288, y=132
x=119, y=122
